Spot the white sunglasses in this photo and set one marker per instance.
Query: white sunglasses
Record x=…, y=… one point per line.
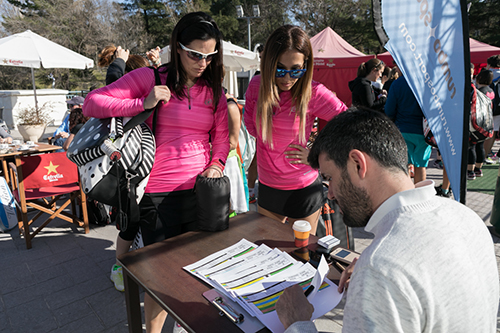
x=197, y=56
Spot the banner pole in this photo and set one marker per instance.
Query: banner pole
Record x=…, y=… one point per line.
x=466, y=111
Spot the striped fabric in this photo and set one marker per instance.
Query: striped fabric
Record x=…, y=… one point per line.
x=137, y=148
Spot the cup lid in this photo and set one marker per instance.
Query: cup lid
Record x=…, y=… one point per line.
x=301, y=226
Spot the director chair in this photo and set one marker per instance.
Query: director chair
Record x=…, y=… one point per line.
x=39, y=182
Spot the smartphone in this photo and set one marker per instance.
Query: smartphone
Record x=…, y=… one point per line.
x=312, y=257
x=344, y=255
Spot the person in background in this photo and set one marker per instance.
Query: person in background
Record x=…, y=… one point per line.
x=391, y=289
x=4, y=136
x=281, y=106
x=402, y=108
x=119, y=62
x=361, y=87
x=252, y=169
x=378, y=86
x=234, y=168
x=197, y=142
x=122, y=62
x=477, y=153
x=394, y=74
x=62, y=132
x=76, y=121
x=493, y=64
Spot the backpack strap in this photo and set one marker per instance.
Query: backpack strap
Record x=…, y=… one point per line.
x=131, y=210
x=141, y=117
x=158, y=83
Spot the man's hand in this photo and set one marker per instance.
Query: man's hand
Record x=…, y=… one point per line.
x=159, y=93
x=293, y=306
x=346, y=277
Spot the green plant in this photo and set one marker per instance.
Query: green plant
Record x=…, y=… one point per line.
x=32, y=116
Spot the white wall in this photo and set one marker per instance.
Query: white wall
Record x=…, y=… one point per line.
x=15, y=100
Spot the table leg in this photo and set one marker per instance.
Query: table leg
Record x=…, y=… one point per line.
x=133, y=302
x=5, y=171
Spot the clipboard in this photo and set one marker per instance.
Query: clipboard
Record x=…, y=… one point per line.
x=233, y=311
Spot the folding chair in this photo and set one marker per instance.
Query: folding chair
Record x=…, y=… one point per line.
x=40, y=182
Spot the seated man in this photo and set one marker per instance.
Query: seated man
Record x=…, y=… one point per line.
x=5, y=137
x=62, y=132
x=431, y=266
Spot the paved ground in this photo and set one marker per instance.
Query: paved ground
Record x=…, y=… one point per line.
x=62, y=284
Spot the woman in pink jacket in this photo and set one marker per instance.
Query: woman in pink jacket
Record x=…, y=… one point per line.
x=280, y=108
x=191, y=131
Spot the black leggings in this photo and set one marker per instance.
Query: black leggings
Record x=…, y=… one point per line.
x=476, y=153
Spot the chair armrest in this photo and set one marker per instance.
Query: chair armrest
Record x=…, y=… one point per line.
x=14, y=183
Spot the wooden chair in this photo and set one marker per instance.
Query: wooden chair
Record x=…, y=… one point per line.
x=40, y=182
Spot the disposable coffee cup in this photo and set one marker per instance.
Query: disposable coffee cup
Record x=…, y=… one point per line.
x=302, y=253
x=301, y=230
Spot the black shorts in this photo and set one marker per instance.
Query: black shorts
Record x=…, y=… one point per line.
x=165, y=215
x=292, y=203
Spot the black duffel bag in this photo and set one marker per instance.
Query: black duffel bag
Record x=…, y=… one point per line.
x=212, y=197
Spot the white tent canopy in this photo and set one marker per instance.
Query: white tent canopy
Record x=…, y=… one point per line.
x=28, y=49
x=235, y=59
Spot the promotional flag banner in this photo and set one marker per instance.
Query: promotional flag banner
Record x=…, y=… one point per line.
x=426, y=40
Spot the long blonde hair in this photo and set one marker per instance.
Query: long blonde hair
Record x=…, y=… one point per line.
x=287, y=37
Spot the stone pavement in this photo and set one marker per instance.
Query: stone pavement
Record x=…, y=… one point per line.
x=62, y=284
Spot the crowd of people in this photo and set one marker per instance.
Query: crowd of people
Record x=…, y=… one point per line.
x=411, y=278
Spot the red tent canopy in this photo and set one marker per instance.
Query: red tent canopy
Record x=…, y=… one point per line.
x=479, y=53
x=335, y=62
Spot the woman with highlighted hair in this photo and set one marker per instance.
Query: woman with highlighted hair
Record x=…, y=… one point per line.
x=281, y=106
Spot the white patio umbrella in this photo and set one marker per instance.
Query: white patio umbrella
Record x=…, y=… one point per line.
x=27, y=49
x=235, y=59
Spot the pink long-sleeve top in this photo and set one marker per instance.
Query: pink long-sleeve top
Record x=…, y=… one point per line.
x=273, y=167
x=183, y=130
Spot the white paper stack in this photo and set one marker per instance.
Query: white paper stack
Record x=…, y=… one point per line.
x=328, y=241
x=255, y=277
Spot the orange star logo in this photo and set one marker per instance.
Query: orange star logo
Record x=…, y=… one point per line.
x=51, y=168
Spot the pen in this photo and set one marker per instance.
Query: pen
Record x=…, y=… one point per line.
x=342, y=268
x=309, y=290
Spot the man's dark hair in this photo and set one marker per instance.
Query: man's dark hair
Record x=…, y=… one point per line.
x=494, y=61
x=363, y=129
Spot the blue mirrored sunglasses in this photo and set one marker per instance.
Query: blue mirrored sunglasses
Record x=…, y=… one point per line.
x=294, y=73
x=197, y=56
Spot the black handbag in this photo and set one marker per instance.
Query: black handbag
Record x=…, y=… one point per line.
x=212, y=197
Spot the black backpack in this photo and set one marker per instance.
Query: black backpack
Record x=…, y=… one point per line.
x=481, y=117
x=97, y=212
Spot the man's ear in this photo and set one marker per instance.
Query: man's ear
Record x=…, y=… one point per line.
x=358, y=162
